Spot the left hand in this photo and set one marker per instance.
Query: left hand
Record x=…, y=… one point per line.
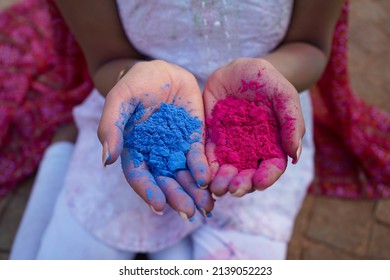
x=255, y=79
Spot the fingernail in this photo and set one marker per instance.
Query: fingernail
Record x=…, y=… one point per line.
x=160, y=213
x=185, y=217
x=207, y=215
x=238, y=193
x=202, y=187
x=215, y=196
x=299, y=151
x=200, y=183
x=106, y=154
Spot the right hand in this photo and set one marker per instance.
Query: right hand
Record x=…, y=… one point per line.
x=152, y=83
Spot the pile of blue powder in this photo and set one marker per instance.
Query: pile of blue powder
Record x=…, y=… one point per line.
x=163, y=140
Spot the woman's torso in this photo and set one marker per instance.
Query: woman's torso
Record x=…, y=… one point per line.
x=199, y=36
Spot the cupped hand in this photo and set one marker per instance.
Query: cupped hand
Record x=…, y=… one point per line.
x=250, y=92
x=146, y=86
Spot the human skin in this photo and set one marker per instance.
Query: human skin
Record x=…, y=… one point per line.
x=105, y=63
x=250, y=78
x=292, y=67
x=300, y=59
x=150, y=84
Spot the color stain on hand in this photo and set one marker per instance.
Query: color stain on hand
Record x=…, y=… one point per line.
x=163, y=140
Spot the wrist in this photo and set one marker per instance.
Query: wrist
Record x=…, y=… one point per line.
x=108, y=74
x=123, y=71
x=300, y=63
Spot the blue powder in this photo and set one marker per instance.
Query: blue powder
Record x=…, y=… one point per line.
x=149, y=194
x=163, y=140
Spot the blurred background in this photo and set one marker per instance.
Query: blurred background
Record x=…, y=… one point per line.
x=326, y=228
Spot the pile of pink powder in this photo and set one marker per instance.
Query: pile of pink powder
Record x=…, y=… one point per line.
x=245, y=133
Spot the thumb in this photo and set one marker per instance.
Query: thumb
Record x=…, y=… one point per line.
x=292, y=131
x=112, y=141
x=287, y=108
x=116, y=113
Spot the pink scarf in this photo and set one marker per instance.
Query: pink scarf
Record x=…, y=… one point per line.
x=43, y=75
x=352, y=137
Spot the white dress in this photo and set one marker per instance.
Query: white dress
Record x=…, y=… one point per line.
x=199, y=36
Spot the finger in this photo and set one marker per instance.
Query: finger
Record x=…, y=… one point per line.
x=288, y=111
x=212, y=159
x=268, y=172
x=220, y=183
x=202, y=198
x=198, y=165
x=196, y=158
x=241, y=184
x=177, y=198
x=116, y=113
x=143, y=183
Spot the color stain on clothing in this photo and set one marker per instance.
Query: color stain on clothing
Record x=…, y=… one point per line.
x=162, y=140
x=245, y=132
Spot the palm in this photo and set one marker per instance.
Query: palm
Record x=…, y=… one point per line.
x=147, y=85
x=254, y=121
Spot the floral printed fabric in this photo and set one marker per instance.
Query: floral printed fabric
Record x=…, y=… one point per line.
x=352, y=137
x=43, y=76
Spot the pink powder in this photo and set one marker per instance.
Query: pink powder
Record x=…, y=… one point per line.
x=245, y=132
